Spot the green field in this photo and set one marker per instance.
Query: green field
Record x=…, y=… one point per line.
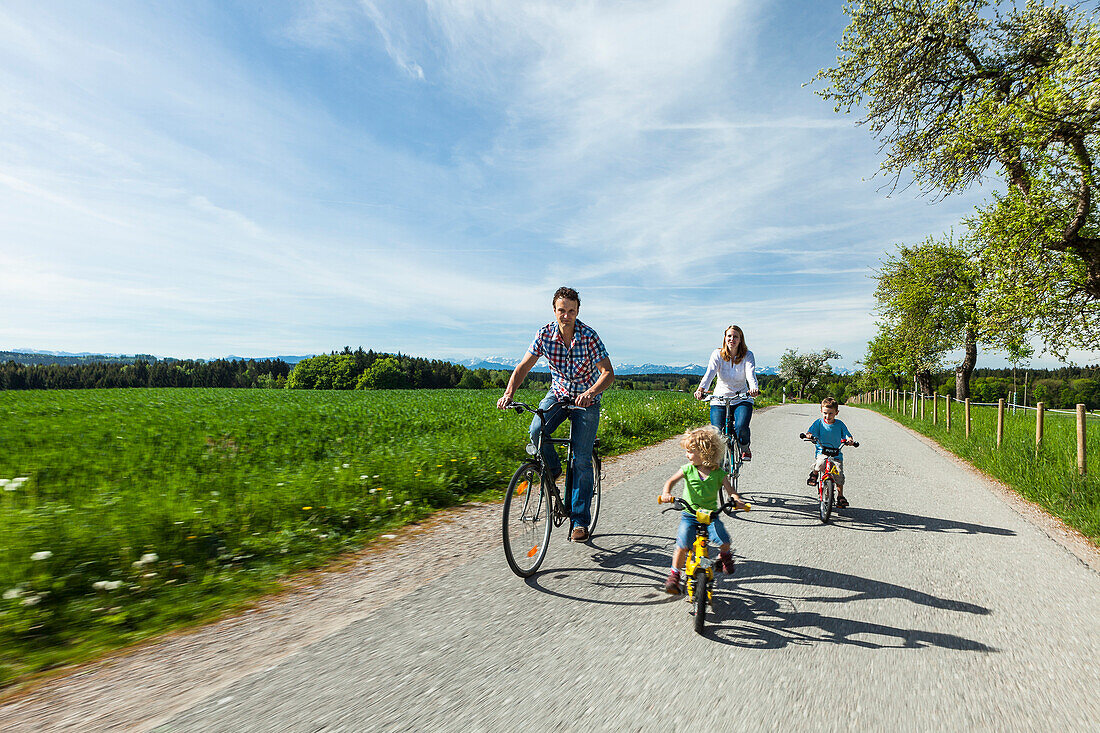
x=144, y=509
x=1047, y=477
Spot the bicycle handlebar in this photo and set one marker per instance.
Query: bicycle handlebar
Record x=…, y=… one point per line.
x=809, y=437
x=726, y=398
x=681, y=504
x=520, y=407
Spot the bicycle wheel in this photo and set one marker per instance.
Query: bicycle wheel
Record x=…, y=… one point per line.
x=594, y=511
x=700, y=600
x=732, y=466
x=526, y=522
x=825, y=508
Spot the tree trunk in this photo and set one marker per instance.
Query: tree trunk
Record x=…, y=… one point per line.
x=923, y=380
x=966, y=368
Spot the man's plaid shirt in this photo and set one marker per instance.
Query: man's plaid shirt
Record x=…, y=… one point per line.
x=573, y=370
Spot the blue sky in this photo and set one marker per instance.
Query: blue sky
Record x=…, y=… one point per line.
x=209, y=178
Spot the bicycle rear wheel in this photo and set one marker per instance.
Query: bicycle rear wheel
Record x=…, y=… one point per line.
x=594, y=510
x=825, y=507
x=526, y=522
x=700, y=600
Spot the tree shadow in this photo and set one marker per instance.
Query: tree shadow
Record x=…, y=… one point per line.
x=799, y=509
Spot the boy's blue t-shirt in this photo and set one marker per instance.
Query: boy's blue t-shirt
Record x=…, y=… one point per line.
x=829, y=435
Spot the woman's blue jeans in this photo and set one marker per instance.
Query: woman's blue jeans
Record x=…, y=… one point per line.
x=742, y=414
x=582, y=434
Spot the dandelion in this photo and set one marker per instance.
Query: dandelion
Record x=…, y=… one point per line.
x=306, y=508
x=13, y=593
x=43, y=555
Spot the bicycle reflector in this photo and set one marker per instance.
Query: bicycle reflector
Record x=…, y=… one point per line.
x=521, y=487
x=533, y=551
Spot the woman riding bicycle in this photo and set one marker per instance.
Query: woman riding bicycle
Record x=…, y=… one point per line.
x=735, y=368
x=580, y=369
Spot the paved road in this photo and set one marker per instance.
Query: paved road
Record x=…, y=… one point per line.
x=931, y=604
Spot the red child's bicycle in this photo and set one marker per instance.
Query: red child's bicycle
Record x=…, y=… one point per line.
x=826, y=478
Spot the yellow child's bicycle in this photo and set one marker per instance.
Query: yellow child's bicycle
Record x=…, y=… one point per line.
x=699, y=568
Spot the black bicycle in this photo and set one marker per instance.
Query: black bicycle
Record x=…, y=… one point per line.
x=733, y=460
x=534, y=505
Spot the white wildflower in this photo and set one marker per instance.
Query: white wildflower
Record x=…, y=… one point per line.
x=347, y=465
x=31, y=600
x=364, y=477
x=408, y=503
x=43, y=555
x=12, y=593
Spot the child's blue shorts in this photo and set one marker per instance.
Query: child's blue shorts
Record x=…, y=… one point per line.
x=686, y=536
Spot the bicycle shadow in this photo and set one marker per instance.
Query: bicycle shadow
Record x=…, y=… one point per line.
x=745, y=614
x=798, y=509
x=628, y=570
x=617, y=566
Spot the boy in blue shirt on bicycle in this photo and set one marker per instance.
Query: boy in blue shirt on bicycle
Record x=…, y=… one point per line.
x=831, y=433
x=705, y=448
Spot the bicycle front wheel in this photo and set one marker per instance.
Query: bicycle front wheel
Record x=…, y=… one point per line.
x=526, y=522
x=732, y=466
x=594, y=509
x=700, y=600
x=827, y=497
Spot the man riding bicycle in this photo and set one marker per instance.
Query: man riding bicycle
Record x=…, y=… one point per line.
x=580, y=369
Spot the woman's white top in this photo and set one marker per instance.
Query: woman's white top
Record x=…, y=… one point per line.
x=731, y=377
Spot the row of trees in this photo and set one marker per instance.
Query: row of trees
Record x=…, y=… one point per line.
x=955, y=90
x=185, y=373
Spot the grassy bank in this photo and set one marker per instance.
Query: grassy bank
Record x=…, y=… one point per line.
x=1047, y=477
x=129, y=512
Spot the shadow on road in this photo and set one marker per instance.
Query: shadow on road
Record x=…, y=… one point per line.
x=621, y=572
x=747, y=614
x=759, y=606
x=795, y=509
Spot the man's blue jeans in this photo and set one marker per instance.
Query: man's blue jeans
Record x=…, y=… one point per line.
x=742, y=413
x=582, y=426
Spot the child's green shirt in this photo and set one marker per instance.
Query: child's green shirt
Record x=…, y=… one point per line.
x=700, y=492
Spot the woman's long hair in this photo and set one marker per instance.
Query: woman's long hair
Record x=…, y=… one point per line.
x=734, y=357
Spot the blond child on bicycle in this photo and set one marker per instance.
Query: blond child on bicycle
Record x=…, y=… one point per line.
x=831, y=433
x=705, y=448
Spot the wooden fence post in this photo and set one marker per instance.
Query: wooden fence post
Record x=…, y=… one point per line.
x=1039, y=408
x=947, y=411
x=913, y=416
x=1081, y=469
x=1000, y=420
x=967, y=417
x=922, y=406
x=935, y=408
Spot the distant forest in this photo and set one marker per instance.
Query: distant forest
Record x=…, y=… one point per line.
x=367, y=369
x=339, y=370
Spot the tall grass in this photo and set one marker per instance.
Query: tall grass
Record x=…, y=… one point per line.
x=127, y=512
x=1048, y=477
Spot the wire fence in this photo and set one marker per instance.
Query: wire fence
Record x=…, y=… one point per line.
x=927, y=407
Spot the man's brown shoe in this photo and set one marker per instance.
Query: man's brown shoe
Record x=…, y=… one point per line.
x=580, y=534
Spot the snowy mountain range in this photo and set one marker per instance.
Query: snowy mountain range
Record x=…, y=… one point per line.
x=501, y=362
